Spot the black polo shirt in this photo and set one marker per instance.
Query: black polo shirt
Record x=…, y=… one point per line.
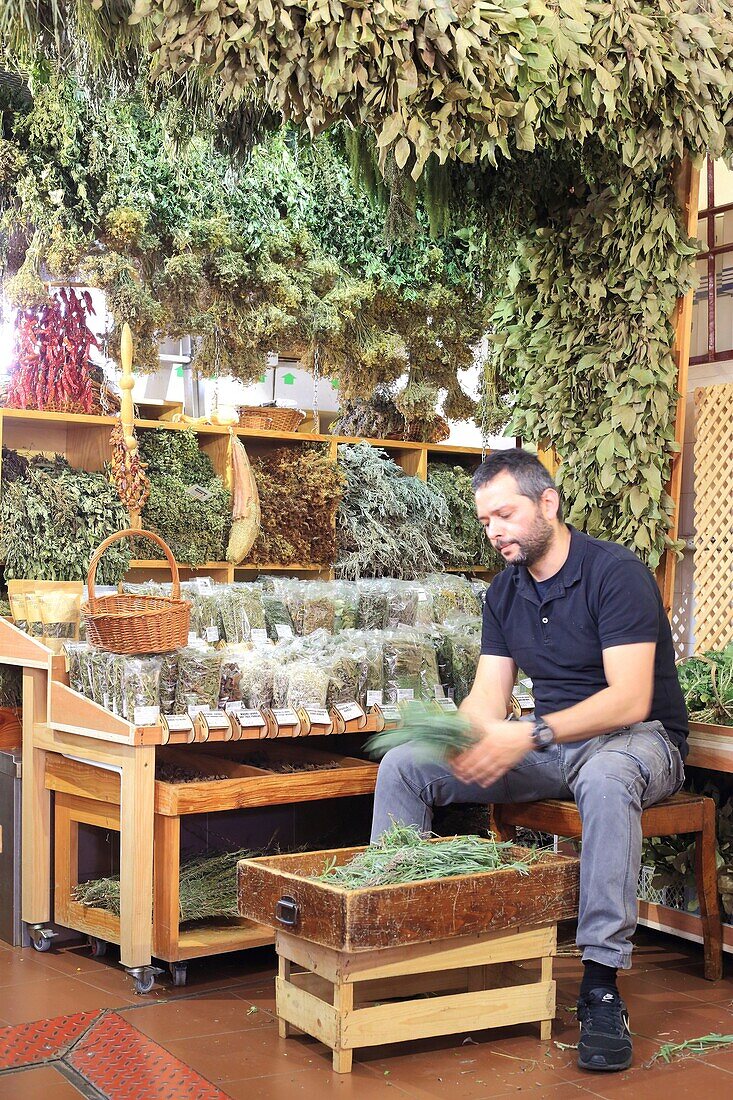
x=603, y=596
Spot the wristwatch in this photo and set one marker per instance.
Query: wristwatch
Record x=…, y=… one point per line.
x=542, y=736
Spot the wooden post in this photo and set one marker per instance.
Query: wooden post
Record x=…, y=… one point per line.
x=36, y=859
x=687, y=186
x=137, y=790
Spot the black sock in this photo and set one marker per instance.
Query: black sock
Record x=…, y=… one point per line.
x=597, y=976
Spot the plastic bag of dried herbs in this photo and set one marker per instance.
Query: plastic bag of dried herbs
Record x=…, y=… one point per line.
x=452, y=596
x=300, y=684
x=256, y=679
x=278, y=623
x=346, y=602
x=292, y=591
x=141, y=690
x=11, y=686
x=464, y=642
x=206, y=621
x=373, y=608
x=402, y=603
x=319, y=607
x=168, y=681
x=75, y=654
x=199, y=679
x=410, y=666
x=343, y=677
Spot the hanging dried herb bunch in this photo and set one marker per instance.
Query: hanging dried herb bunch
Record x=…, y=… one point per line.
x=472, y=547
x=389, y=524
x=299, y=492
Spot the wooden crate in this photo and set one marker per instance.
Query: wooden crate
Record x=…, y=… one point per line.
x=438, y=988
x=394, y=916
x=713, y=517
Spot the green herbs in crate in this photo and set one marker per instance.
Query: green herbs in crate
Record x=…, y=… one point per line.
x=188, y=506
x=53, y=518
x=402, y=855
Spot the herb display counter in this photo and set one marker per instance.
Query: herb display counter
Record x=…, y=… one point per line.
x=103, y=770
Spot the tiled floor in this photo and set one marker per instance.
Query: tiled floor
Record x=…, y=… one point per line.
x=222, y=1026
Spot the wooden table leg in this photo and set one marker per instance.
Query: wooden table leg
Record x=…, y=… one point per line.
x=137, y=802
x=284, y=966
x=706, y=878
x=546, y=976
x=166, y=885
x=343, y=1002
x=36, y=859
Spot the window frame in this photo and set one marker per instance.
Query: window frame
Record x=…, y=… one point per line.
x=710, y=255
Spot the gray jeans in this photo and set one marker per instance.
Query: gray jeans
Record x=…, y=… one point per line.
x=612, y=778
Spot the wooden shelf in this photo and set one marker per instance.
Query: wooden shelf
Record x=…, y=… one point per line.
x=219, y=937
x=161, y=563
x=678, y=923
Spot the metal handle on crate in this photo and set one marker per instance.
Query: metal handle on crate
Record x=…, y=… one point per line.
x=286, y=911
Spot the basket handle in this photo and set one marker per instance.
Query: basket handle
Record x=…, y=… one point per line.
x=129, y=533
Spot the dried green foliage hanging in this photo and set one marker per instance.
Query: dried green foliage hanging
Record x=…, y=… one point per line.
x=584, y=339
x=188, y=506
x=389, y=524
x=299, y=490
x=472, y=80
x=454, y=485
x=53, y=518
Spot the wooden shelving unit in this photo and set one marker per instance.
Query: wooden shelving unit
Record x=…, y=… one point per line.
x=84, y=441
x=678, y=923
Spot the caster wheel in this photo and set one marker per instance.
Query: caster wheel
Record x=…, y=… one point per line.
x=40, y=943
x=179, y=973
x=99, y=947
x=144, y=985
x=41, y=937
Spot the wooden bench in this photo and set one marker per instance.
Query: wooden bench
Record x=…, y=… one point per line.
x=682, y=813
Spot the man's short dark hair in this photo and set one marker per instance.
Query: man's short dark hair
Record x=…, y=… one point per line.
x=530, y=475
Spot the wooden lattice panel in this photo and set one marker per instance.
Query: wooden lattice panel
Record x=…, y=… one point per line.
x=714, y=517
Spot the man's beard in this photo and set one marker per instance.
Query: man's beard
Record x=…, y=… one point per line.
x=535, y=544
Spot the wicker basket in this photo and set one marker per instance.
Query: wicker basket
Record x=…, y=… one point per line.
x=255, y=421
x=136, y=624
x=281, y=420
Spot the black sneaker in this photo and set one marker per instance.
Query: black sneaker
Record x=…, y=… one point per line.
x=605, y=1040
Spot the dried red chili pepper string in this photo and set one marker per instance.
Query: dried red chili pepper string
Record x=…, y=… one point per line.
x=52, y=368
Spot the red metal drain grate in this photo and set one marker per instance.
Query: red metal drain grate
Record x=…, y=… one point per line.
x=123, y=1064
x=43, y=1040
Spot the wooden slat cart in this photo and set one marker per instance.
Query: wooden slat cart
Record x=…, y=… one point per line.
x=102, y=770
x=343, y=953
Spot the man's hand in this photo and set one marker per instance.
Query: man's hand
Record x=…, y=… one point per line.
x=502, y=745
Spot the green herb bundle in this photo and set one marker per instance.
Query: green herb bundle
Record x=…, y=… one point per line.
x=410, y=666
x=188, y=505
x=434, y=734
x=472, y=546
x=389, y=524
x=53, y=518
x=707, y=685
x=207, y=888
x=402, y=855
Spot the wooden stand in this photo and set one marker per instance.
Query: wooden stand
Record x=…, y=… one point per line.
x=368, y=998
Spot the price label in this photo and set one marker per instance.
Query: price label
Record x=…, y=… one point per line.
x=405, y=695
x=194, y=709
x=177, y=723
x=283, y=631
x=525, y=700
x=285, y=716
x=215, y=719
x=212, y=633
x=250, y=719
x=147, y=716
x=192, y=637
x=259, y=636
x=374, y=698
x=438, y=692
x=204, y=584
x=233, y=706
x=391, y=713
x=318, y=716
x=446, y=704
x=349, y=711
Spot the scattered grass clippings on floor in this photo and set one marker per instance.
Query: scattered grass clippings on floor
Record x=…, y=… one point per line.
x=403, y=855
x=704, y=1043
